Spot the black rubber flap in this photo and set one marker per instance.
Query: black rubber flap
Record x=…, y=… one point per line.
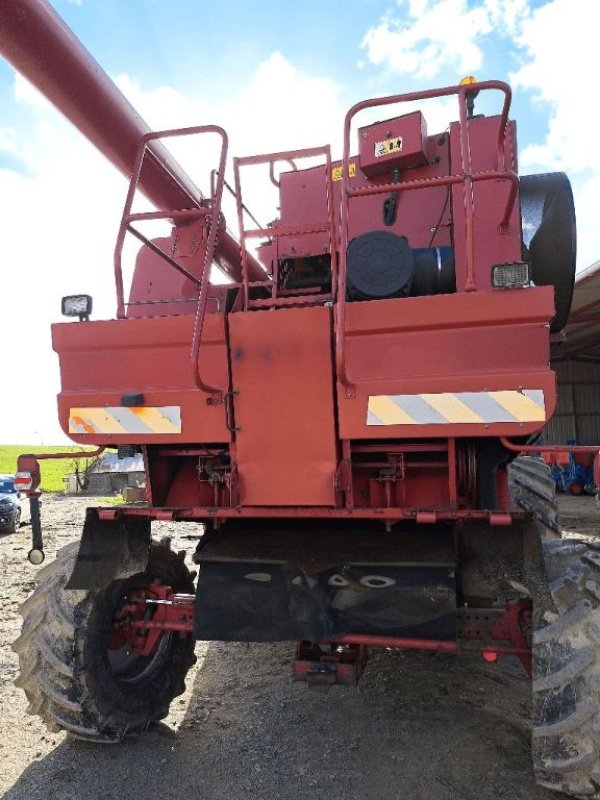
x=380, y=264
x=549, y=234
x=110, y=550
x=298, y=586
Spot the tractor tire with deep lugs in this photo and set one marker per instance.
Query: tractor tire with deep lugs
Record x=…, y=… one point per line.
x=566, y=673
x=532, y=489
x=71, y=680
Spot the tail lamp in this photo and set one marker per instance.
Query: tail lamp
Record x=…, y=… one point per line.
x=23, y=481
x=511, y=276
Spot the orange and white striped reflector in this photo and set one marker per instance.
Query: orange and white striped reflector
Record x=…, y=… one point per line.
x=450, y=408
x=141, y=420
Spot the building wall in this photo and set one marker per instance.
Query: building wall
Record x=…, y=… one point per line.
x=104, y=483
x=577, y=415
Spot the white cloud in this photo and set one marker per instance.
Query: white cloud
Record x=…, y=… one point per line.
x=61, y=217
x=428, y=37
x=560, y=65
x=554, y=53
x=8, y=137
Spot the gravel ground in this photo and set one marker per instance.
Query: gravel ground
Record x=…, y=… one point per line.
x=417, y=726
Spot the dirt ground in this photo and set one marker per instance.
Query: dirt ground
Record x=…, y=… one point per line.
x=418, y=726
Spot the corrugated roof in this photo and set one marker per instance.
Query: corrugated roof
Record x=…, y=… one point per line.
x=581, y=337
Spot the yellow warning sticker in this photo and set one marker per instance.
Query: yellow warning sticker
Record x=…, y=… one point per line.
x=336, y=172
x=388, y=147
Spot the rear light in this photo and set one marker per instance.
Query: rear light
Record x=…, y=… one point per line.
x=511, y=276
x=23, y=481
x=77, y=305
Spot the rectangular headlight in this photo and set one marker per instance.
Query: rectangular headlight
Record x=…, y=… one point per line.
x=77, y=305
x=511, y=276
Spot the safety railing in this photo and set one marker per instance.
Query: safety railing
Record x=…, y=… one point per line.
x=466, y=177
x=278, y=298
x=210, y=212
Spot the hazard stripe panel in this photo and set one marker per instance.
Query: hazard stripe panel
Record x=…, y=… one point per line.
x=457, y=408
x=121, y=419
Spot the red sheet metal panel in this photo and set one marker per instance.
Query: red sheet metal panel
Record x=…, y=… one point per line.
x=303, y=200
x=282, y=370
x=102, y=361
x=485, y=342
x=491, y=246
x=399, y=143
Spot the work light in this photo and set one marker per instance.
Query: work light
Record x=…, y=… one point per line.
x=77, y=305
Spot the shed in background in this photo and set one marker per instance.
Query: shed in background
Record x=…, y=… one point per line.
x=107, y=475
x=576, y=359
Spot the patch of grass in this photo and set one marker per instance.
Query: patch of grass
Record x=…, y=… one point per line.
x=53, y=469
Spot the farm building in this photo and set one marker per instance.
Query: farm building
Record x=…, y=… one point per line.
x=107, y=474
x=576, y=360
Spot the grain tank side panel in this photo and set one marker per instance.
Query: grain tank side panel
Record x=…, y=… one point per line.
x=101, y=362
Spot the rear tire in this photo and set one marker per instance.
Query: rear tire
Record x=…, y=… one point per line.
x=566, y=673
x=532, y=489
x=67, y=671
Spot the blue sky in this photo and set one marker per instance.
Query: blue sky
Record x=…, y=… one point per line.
x=275, y=75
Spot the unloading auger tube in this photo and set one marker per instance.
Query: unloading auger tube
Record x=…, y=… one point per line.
x=40, y=46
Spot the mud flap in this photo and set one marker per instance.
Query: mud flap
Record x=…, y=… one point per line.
x=110, y=550
x=285, y=586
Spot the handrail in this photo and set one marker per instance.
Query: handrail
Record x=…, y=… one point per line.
x=211, y=211
x=277, y=231
x=467, y=178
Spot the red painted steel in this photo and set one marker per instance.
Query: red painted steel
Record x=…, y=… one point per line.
x=276, y=231
x=466, y=179
x=343, y=656
x=102, y=361
x=409, y=133
x=515, y=447
x=494, y=235
x=447, y=343
x=398, y=642
x=303, y=201
x=29, y=462
x=133, y=625
x=385, y=515
x=208, y=215
x=319, y=663
x=284, y=407
x=513, y=626
x=284, y=429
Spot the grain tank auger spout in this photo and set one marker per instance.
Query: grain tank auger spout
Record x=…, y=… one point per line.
x=347, y=431
x=40, y=46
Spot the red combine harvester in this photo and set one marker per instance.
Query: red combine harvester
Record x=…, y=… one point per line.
x=340, y=418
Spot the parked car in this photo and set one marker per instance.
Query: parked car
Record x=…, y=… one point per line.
x=14, y=505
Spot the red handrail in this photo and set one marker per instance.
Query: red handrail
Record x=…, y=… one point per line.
x=274, y=232
x=467, y=178
x=212, y=211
